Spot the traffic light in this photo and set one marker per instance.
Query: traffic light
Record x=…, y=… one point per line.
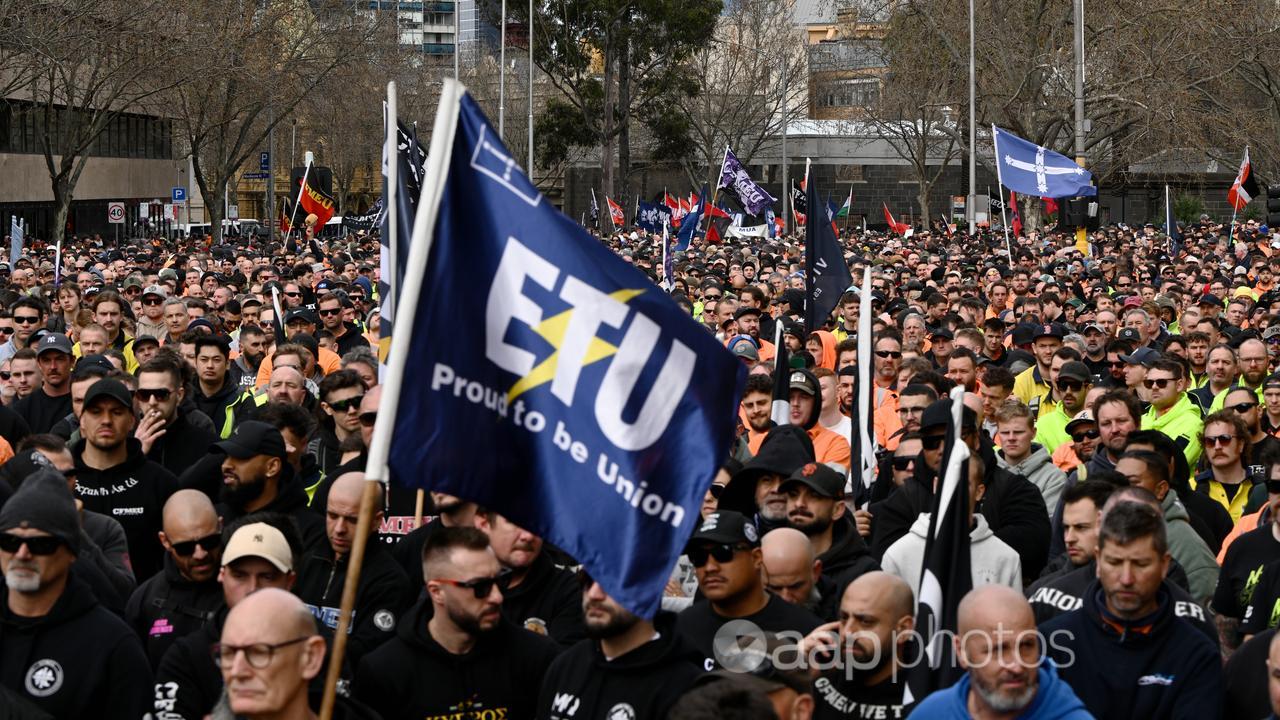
x=1273, y=206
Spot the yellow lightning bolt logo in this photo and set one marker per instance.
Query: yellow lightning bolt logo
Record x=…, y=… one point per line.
x=552, y=330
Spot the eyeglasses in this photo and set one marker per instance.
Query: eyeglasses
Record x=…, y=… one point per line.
x=1243, y=407
x=481, y=586
x=351, y=403
x=1218, y=440
x=368, y=419
x=710, y=297
x=187, y=548
x=5, y=375
x=1085, y=435
x=293, y=294
x=1116, y=363
x=152, y=301
x=1152, y=383
x=932, y=442
x=722, y=553
x=902, y=464
x=258, y=654
x=147, y=394
x=888, y=354
x=26, y=319
x=331, y=311
x=1069, y=385
x=43, y=545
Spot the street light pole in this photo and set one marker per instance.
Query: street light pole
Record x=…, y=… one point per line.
x=971, y=205
x=529, y=167
x=502, y=74
x=1082, y=235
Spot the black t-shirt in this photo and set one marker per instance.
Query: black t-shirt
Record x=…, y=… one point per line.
x=41, y=411
x=1268, y=448
x=1263, y=610
x=699, y=624
x=1244, y=691
x=1242, y=568
x=837, y=698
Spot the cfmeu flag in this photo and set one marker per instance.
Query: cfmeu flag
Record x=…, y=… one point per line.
x=1031, y=169
x=583, y=404
x=1245, y=187
x=946, y=576
x=314, y=201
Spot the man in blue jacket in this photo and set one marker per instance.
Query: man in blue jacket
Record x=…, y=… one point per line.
x=997, y=644
x=1126, y=651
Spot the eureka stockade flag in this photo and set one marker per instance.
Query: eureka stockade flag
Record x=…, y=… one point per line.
x=547, y=379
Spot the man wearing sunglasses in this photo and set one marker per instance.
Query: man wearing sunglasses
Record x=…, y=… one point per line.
x=28, y=317
x=181, y=599
x=1260, y=444
x=454, y=649
x=152, y=320
x=260, y=552
x=725, y=553
x=1172, y=411
x=1072, y=386
x=176, y=440
x=63, y=654
x=383, y=591
x=346, y=334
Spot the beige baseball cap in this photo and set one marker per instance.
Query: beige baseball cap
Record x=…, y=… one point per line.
x=259, y=540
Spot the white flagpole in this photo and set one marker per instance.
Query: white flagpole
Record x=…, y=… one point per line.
x=393, y=179
x=866, y=434
x=995, y=147
x=293, y=217
x=57, y=263
x=666, y=279
x=1168, y=221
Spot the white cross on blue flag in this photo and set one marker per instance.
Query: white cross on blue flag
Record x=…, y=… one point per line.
x=1030, y=169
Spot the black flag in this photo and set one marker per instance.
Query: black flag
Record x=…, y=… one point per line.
x=826, y=273
x=780, y=411
x=947, y=576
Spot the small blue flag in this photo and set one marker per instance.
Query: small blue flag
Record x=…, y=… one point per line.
x=652, y=216
x=553, y=382
x=1030, y=169
x=689, y=225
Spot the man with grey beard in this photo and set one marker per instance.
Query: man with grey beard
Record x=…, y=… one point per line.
x=626, y=661
x=61, y=653
x=997, y=645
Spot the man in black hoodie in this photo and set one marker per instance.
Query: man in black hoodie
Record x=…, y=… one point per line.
x=61, y=653
x=477, y=662
x=167, y=434
x=257, y=477
x=629, y=667
x=218, y=394
x=1125, y=652
x=115, y=478
x=1012, y=506
x=538, y=594
x=181, y=599
x=756, y=489
x=816, y=507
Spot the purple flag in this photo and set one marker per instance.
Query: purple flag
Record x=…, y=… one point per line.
x=754, y=199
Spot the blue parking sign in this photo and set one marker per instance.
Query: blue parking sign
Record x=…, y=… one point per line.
x=264, y=161
x=179, y=194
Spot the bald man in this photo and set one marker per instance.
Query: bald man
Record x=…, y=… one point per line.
x=871, y=637
x=287, y=385
x=184, y=597
x=997, y=645
x=384, y=589
x=270, y=684
x=794, y=573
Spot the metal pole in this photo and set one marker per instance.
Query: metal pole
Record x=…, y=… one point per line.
x=502, y=74
x=293, y=147
x=270, y=218
x=529, y=167
x=457, y=39
x=971, y=203
x=1082, y=235
x=786, y=185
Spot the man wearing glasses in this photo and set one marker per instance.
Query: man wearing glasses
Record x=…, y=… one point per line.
x=28, y=316
x=183, y=597
x=1261, y=445
x=725, y=553
x=1172, y=411
x=152, y=321
x=259, y=553
x=63, y=654
x=454, y=649
x=345, y=334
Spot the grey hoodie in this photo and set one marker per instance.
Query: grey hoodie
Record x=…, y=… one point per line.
x=1189, y=550
x=1038, y=467
x=992, y=562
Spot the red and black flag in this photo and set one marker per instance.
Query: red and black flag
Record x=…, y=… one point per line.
x=1246, y=185
x=315, y=201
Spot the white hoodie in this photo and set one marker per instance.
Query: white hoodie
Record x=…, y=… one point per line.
x=992, y=561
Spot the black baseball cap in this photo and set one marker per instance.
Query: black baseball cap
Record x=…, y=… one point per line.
x=820, y=478
x=938, y=414
x=55, y=342
x=1076, y=370
x=728, y=527
x=251, y=438
x=300, y=314
x=111, y=388
x=1053, y=330
x=743, y=311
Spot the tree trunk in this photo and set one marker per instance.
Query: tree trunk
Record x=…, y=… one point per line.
x=607, y=122
x=624, y=124
x=212, y=190
x=61, y=209
x=922, y=197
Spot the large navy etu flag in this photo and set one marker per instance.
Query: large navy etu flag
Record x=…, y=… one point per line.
x=545, y=378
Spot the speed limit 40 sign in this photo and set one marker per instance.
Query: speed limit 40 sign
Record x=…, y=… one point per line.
x=115, y=212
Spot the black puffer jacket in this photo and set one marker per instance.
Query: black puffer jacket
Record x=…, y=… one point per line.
x=78, y=661
x=169, y=607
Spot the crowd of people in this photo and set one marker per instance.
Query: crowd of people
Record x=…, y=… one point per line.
x=184, y=430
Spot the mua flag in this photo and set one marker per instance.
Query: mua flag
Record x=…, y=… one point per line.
x=736, y=178
x=577, y=399
x=1030, y=169
x=652, y=216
